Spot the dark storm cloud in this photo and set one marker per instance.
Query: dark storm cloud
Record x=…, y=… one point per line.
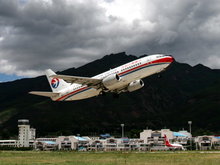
x=40, y=34
x=182, y=28
x=58, y=34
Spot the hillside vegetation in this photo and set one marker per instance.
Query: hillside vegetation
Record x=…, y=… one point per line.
x=182, y=93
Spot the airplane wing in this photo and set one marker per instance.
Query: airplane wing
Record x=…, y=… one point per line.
x=79, y=80
x=46, y=94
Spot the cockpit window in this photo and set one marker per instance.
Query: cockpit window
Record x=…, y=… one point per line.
x=159, y=56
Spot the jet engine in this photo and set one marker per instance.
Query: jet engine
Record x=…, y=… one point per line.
x=111, y=80
x=135, y=85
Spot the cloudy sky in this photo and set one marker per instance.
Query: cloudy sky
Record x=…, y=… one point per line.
x=59, y=34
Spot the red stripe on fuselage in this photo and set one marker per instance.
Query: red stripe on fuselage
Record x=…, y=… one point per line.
x=163, y=60
x=78, y=90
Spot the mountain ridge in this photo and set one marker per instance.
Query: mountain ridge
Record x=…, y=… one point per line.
x=155, y=106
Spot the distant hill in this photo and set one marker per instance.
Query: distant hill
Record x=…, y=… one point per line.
x=181, y=94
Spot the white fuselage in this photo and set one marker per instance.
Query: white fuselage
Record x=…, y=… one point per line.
x=129, y=72
x=175, y=146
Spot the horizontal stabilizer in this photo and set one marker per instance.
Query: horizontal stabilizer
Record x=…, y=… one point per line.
x=79, y=80
x=46, y=94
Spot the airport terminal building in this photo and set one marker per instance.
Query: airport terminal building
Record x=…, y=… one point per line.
x=149, y=140
x=155, y=138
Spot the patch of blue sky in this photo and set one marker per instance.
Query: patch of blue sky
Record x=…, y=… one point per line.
x=5, y=78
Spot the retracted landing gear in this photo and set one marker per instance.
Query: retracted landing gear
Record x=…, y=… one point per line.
x=159, y=76
x=102, y=93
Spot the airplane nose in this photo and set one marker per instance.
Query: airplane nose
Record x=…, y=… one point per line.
x=169, y=58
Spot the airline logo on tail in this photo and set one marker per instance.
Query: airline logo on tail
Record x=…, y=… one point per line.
x=55, y=82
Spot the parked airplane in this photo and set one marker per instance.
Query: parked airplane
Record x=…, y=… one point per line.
x=124, y=78
x=174, y=146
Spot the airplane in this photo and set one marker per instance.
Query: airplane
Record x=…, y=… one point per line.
x=125, y=78
x=173, y=146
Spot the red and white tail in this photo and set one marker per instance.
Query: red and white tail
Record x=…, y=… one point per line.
x=167, y=143
x=55, y=83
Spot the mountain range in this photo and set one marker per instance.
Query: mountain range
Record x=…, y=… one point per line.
x=180, y=94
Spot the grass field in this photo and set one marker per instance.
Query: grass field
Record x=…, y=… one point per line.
x=108, y=158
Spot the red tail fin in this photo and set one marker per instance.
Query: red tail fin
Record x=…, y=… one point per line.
x=167, y=143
